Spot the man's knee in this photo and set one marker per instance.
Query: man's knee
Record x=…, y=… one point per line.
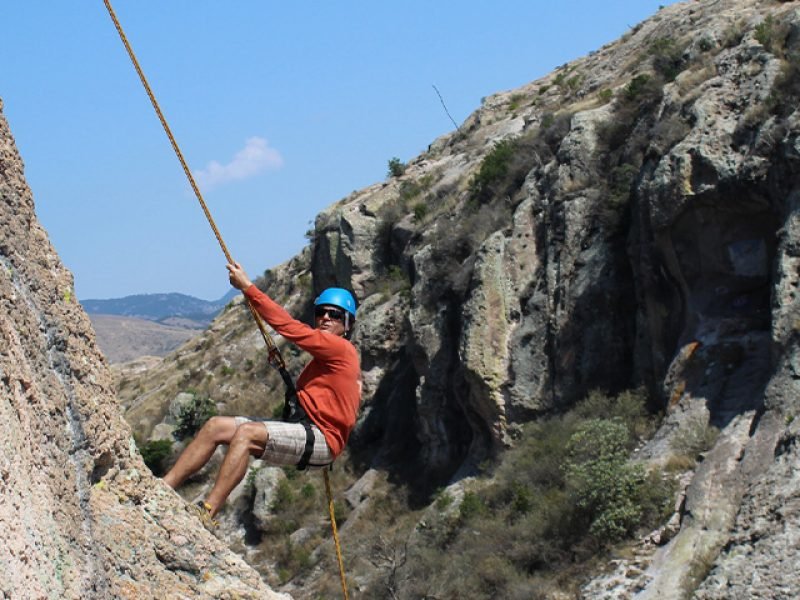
x=219, y=429
x=251, y=434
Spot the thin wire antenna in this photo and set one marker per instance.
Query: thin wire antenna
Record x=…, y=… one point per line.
x=445, y=109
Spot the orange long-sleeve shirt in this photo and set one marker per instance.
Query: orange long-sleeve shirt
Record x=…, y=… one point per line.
x=329, y=388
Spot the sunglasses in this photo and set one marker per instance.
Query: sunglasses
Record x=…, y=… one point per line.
x=333, y=313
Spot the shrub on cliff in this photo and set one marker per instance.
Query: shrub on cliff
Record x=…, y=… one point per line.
x=154, y=453
x=604, y=486
x=668, y=58
x=396, y=167
x=566, y=490
x=192, y=416
x=493, y=170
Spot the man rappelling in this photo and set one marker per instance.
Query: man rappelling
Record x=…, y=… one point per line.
x=323, y=406
x=319, y=416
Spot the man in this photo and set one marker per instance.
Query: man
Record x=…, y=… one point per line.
x=328, y=391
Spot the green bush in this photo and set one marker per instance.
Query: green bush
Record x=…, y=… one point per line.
x=606, y=488
x=420, y=211
x=605, y=95
x=284, y=497
x=443, y=500
x=765, y=33
x=667, y=58
x=598, y=439
x=396, y=167
x=154, y=454
x=566, y=489
x=493, y=170
x=409, y=190
x=639, y=87
x=573, y=83
x=340, y=512
x=561, y=78
x=515, y=101
x=521, y=498
x=504, y=168
x=192, y=416
x=471, y=506
x=630, y=406
x=706, y=44
x=308, y=491
x=252, y=473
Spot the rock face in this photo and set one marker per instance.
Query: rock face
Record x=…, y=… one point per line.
x=81, y=515
x=648, y=240
x=634, y=228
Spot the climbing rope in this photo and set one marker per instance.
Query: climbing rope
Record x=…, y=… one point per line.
x=332, y=513
x=274, y=355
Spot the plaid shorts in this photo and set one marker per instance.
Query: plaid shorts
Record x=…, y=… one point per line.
x=286, y=443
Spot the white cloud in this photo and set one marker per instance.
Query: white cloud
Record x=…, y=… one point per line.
x=256, y=157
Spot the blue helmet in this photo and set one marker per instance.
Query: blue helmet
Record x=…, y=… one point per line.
x=337, y=297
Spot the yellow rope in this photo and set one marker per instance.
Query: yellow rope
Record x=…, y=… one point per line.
x=274, y=354
x=335, y=533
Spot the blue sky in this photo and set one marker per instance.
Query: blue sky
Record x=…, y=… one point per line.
x=281, y=109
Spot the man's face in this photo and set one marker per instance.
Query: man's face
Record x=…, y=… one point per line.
x=329, y=318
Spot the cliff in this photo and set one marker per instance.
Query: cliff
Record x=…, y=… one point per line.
x=80, y=514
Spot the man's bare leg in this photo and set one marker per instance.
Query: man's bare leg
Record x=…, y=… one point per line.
x=250, y=439
x=216, y=431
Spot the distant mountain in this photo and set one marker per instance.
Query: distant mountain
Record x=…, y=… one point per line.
x=169, y=308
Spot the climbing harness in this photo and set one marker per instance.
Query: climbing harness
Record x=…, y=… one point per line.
x=294, y=413
x=273, y=354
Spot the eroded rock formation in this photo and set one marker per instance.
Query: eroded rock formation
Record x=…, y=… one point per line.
x=682, y=278
x=80, y=514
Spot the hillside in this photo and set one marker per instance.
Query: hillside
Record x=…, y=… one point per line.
x=578, y=328
x=623, y=224
x=149, y=324
x=122, y=339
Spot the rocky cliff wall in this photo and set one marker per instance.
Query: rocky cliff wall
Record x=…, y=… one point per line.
x=80, y=514
x=644, y=213
x=649, y=240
